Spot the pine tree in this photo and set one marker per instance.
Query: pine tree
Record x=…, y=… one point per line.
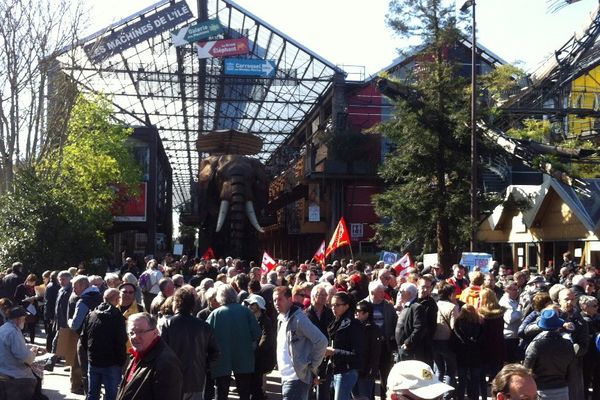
x=428, y=172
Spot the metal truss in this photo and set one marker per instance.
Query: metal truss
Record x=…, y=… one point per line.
x=155, y=84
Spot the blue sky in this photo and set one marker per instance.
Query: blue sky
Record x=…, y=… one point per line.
x=348, y=32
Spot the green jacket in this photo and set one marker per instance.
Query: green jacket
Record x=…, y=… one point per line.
x=237, y=332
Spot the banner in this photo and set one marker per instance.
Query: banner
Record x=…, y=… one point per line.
x=482, y=260
x=388, y=257
x=137, y=32
x=401, y=266
x=267, y=263
x=320, y=255
x=339, y=239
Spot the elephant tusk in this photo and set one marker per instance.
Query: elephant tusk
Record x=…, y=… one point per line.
x=252, y=216
x=223, y=208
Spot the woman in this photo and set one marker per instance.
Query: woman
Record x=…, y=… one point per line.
x=528, y=328
x=26, y=297
x=443, y=356
x=346, y=339
x=149, y=282
x=493, y=352
x=466, y=343
x=365, y=387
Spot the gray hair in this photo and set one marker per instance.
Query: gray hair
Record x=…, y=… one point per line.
x=65, y=274
x=411, y=289
x=112, y=276
x=80, y=278
x=152, y=264
x=226, y=294
x=579, y=280
x=373, y=286
x=207, y=283
x=110, y=293
x=143, y=315
x=129, y=278
x=585, y=300
x=211, y=293
x=272, y=277
x=315, y=290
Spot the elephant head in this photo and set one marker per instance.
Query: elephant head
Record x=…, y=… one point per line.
x=238, y=184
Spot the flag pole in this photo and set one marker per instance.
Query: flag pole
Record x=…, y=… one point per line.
x=351, y=254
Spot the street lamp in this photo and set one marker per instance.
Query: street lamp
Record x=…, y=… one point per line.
x=465, y=8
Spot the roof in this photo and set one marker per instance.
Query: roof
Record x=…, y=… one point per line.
x=152, y=83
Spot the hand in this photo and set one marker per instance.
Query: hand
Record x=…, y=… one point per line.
x=329, y=351
x=316, y=381
x=404, y=347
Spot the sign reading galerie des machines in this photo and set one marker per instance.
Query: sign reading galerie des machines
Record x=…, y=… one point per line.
x=152, y=25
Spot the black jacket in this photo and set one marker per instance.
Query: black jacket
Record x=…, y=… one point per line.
x=390, y=320
x=50, y=301
x=158, y=376
x=62, y=303
x=410, y=331
x=104, y=337
x=322, y=323
x=552, y=360
x=466, y=343
x=265, y=355
x=373, y=346
x=193, y=341
x=347, y=337
x=11, y=281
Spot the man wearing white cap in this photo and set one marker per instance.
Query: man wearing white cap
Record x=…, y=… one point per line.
x=264, y=355
x=414, y=380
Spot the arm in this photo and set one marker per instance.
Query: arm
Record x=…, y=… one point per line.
x=81, y=311
x=168, y=380
x=530, y=355
x=418, y=317
x=212, y=350
x=316, y=337
x=19, y=349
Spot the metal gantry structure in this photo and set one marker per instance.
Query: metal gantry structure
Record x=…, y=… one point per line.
x=153, y=83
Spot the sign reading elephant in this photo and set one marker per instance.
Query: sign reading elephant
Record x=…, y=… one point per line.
x=233, y=190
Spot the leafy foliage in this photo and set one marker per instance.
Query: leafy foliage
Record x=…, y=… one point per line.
x=60, y=208
x=532, y=129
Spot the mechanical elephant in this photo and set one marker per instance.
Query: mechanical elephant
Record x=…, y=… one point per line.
x=233, y=190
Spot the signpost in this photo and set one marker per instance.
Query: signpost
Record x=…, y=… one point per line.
x=199, y=31
x=144, y=29
x=223, y=48
x=250, y=67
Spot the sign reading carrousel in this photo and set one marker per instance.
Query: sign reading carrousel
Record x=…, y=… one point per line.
x=481, y=260
x=250, y=67
x=199, y=31
x=223, y=48
x=152, y=25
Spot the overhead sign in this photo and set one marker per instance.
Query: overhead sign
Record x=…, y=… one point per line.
x=356, y=231
x=250, y=67
x=152, y=25
x=223, y=48
x=199, y=31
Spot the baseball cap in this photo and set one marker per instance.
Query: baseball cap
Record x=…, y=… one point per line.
x=256, y=299
x=416, y=377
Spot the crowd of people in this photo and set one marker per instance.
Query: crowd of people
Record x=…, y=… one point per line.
x=181, y=329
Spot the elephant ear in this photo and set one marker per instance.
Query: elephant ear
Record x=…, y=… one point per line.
x=260, y=186
x=207, y=187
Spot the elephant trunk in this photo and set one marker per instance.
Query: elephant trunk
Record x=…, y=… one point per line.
x=223, y=208
x=251, y=213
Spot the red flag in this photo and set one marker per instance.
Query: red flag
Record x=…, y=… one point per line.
x=209, y=254
x=339, y=239
x=320, y=255
x=401, y=266
x=267, y=263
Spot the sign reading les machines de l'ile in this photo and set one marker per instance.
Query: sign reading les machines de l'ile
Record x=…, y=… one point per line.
x=152, y=25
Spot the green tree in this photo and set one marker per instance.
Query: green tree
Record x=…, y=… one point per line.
x=60, y=207
x=428, y=173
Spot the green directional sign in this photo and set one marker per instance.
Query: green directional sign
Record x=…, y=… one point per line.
x=199, y=31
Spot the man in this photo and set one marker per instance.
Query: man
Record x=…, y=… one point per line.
x=154, y=372
x=551, y=358
x=424, y=287
x=415, y=380
x=103, y=338
x=127, y=304
x=578, y=331
x=50, y=297
x=16, y=358
x=167, y=288
x=237, y=331
x=385, y=317
x=129, y=266
x=212, y=304
x=411, y=327
x=193, y=341
x=514, y=381
x=300, y=347
x=88, y=297
x=321, y=316
x=458, y=279
x=61, y=316
x=512, y=320
x=15, y=278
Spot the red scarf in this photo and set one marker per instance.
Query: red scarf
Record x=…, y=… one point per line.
x=137, y=357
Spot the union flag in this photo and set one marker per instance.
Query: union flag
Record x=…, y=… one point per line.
x=209, y=254
x=320, y=255
x=267, y=263
x=339, y=239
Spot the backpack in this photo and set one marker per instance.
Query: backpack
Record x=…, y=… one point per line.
x=145, y=282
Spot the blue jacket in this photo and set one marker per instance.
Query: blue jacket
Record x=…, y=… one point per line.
x=89, y=300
